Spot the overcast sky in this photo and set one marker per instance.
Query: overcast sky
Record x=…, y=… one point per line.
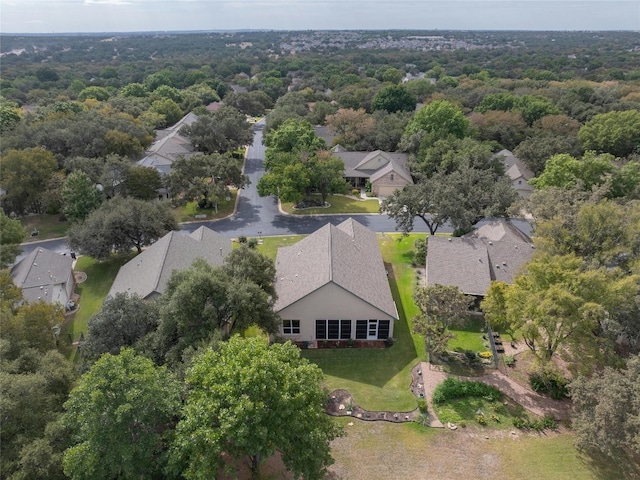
x=61, y=16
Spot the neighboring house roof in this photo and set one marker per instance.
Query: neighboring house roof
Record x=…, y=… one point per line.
x=347, y=255
x=149, y=272
x=41, y=274
x=494, y=252
x=169, y=145
x=365, y=164
x=513, y=166
x=326, y=133
x=214, y=106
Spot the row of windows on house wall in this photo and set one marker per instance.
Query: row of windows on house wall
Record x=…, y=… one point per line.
x=342, y=329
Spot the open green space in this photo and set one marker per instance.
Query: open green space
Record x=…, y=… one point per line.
x=469, y=336
x=337, y=204
x=408, y=450
x=269, y=246
x=100, y=276
x=188, y=212
x=48, y=226
x=379, y=379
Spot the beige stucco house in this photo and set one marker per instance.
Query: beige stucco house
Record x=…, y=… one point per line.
x=386, y=171
x=333, y=286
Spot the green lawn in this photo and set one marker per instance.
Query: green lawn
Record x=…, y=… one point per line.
x=190, y=210
x=379, y=379
x=408, y=450
x=469, y=336
x=100, y=276
x=498, y=414
x=48, y=226
x=338, y=204
x=269, y=245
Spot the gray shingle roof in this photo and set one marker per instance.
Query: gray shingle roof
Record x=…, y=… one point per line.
x=149, y=272
x=38, y=273
x=347, y=255
x=355, y=162
x=513, y=166
x=496, y=251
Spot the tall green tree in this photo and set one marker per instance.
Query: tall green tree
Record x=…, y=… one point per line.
x=326, y=174
x=121, y=322
x=205, y=178
x=439, y=119
x=120, y=414
x=120, y=225
x=202, y=303
x=24, y=174
x=142, y=182
x=295, y=136
x=565, y=171
x=223, y=131
x=393, y=98
x=617, y=133
x=441, y=308
x=79, y=196
x=12, y=234
x=251, y=399
x=606, y=410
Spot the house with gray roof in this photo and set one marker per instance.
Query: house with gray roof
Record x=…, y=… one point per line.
x=333, y=285
x=496, y=251
x=168, y=147
x=45, y=276
x=146, y=275
x=387, y=172
x=517, y=171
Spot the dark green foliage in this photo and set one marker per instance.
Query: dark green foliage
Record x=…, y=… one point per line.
x=550, y=382
x=422, y=405
x=453, y=388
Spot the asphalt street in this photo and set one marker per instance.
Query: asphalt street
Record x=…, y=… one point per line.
x=256, y=215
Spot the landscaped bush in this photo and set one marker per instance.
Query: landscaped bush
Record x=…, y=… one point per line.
x=355, y=192
x=548, y=422
x=547, y=380
x=420, y=254
x=423, y=419
x=422, y=405
x=509, y=360
x=453, y=388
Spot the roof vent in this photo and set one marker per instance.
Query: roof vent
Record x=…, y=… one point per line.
x=504, y=263
x=449, y=239
x=497, y=266
x=490, y=243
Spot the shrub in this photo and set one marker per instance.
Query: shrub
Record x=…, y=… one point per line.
x=422, y=419
x=355, y=192
x=422, y=405
x=470, y=354
x=420, y=254
x=453, y=388
x=548, y=422
x=481, y=420
x=546, y=379
x=390, y=341
x=485, y=354
x=509, y=360
x=242, y=239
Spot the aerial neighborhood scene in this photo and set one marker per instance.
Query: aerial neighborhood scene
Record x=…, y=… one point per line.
x=319, y=240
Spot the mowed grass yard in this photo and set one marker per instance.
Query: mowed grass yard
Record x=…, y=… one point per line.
x=379, y=379
x=337, y=204
x=376, y=450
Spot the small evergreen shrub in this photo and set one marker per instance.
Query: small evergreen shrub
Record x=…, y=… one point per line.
x=509, y=360
x=549, y=381
x=422, y=405
x=453, y=388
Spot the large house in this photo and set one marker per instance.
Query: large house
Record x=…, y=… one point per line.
x=146, y=275
x=45, y=276
x=387, y=172
x=168, y=147
x=517, y=171
x=332, y=285
x=495, y=251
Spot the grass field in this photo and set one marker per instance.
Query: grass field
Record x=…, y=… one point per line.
x=48, y=226
x=337, y=204
x=100, y=276
x=190, y=210
x=372, y=450
x=270, y=245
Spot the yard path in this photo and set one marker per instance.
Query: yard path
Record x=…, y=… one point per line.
x=432, y=375
x=530, y=400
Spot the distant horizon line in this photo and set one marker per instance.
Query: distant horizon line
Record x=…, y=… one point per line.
x=268, y=30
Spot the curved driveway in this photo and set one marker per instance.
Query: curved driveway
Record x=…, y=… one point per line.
x=256, y=215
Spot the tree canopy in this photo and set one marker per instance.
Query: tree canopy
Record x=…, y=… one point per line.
x=119, y=414
x=222, y=131
x=11, y=235
x=251, y=399
x=617, y=133
x=120, y=225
